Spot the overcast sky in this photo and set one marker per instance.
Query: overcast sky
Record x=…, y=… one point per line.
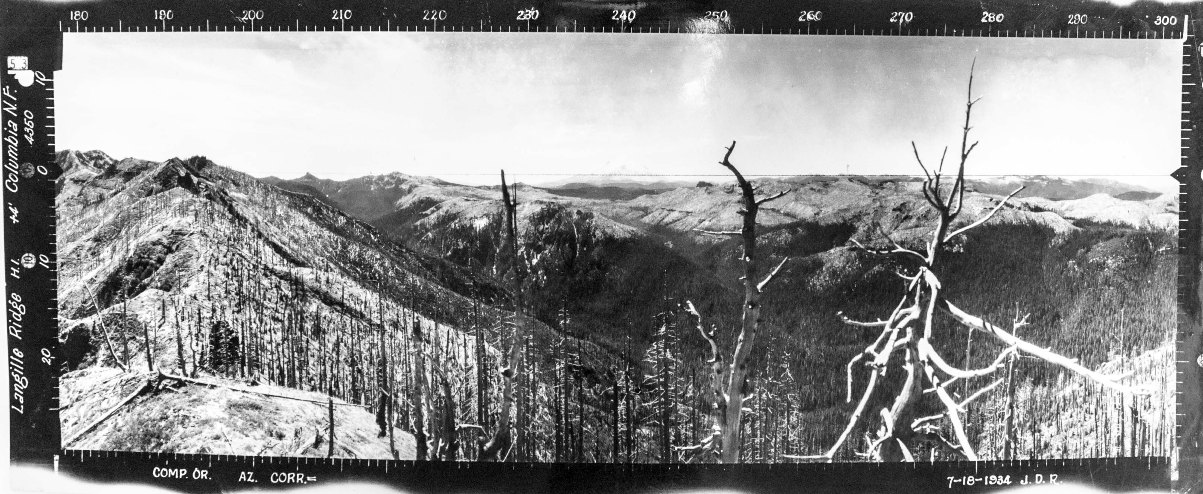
x=545, y=106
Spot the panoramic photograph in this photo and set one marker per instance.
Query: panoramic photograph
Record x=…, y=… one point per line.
x=617, y=249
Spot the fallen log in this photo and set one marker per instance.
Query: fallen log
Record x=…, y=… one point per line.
x=92, y=425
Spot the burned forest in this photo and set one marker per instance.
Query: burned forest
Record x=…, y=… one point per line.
x=752, y=319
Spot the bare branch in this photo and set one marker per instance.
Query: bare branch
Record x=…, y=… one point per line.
x=899, y=343
x=980, y=393
x=975, y=143
x=920, y=160
x=885, y=252
x=933, y=201
x=906, y=452
x=922, y=420
x=852, y=362
x=717, y=233
x=953, y=413
x=860, y=409
x=726, y=162
x=943, y=155
x=727, y=157
x=897, y=246
x=851, y=322
x=958, y=188
x=773, y=197
x=894, y=342
x=714, y=357
x=934, y=284
x=926, y=351
x=108, y=341
x=772, y=273
x=869, y=350
x=935, y=184
x=985, y=218
x=1018, y=322
x=946, y=384
x=1049, y=356
x=880, y=362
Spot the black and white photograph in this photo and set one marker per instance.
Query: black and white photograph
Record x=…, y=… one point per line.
x=597, y=248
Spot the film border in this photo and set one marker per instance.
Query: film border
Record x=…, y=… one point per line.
x=34, y=30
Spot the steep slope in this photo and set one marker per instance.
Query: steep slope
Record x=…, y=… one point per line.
x=180, y=228
x=192, y=268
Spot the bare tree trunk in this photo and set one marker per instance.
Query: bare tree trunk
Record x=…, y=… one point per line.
x=482, y=376
x=391, y=372
x=729, y=383
x=150, y=363
x=419, y=394
x=449, y=442
x=557, y=402
x=179, y=346
x=124, y=324
x=628, y=403
x=502, y=438
x=521, y=420
x=1009, y=439
x=521, y=339
x=330, y=451
x=614, y=431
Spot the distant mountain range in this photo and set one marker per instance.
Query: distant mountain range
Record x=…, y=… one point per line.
x=1061, y=189
x=398, y=202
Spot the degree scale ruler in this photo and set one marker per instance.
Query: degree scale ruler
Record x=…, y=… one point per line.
x=33, y=33
x=1053, y=19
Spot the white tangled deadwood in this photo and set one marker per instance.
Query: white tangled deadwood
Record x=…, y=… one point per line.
x=728, y=389
x=905, y=338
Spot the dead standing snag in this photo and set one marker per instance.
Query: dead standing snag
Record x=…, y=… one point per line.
x=905, y=339
x=728, y=382
x=499, y=445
